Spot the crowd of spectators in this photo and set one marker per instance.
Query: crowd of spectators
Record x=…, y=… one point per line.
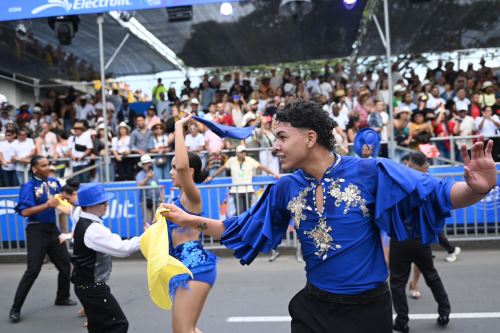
x=70, y=128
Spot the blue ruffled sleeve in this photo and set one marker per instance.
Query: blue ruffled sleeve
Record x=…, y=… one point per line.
x=26, y=198
x=260, y=228
x=410, y=204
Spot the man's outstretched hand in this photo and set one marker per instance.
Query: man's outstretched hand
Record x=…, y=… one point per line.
x=480, y=169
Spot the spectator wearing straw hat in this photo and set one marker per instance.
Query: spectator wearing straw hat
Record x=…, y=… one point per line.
x=94, y=244
x=195, y=103
x=488, y=95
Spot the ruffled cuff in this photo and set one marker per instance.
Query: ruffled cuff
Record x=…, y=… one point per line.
x=259, y=229
x=410, y=204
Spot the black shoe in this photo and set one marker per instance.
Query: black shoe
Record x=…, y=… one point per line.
x=65, y=302
x=14, y=316
x=401, y=328
x=443, y=320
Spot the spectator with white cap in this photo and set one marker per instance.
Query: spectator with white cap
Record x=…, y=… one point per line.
x=194, y=106
x=151, y=197
x=464, y=126
x=185, y=107
x=36, y=119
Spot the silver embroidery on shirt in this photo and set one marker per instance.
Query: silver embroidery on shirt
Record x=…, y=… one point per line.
x=351, y=196
x=322, y=239
x=297, y=204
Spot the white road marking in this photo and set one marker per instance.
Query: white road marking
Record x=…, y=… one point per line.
x=417, y=316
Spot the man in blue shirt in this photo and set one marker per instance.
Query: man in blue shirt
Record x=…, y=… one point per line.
x=338, y=206
x=37, y=203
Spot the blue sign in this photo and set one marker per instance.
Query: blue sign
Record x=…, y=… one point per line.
x=125, y=212
x=30, y=9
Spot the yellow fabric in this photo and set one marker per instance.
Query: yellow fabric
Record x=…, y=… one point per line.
x=161, y=266
x=63, y=202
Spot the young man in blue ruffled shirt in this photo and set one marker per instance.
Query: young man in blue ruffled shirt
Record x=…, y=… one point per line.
x=338, y=206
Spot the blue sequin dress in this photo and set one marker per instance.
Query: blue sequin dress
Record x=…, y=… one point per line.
x=202, y=263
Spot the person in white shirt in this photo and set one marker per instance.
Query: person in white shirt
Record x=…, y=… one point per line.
x=435, y=101
x=212, y=113
x=461, y=97
x=326, y=88
x=341, y=116
x=488, y=124
x=312, y=85
x=242, y=169
x=81, y=147
x=5, y=118
x=464, y=126
x=195, y=142
x=94, y=244
x=7, y=151
x=46, y=142
x=84, y=110
x=275, y=81
x=24, y=149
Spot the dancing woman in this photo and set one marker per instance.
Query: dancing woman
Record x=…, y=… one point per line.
x=188, y=294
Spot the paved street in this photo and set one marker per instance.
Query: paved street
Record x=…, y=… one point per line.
x=261, y=290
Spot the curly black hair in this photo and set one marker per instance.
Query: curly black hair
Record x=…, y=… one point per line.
x=310, y=115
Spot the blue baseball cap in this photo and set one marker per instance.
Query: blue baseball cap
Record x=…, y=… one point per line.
x=367, y=136
x=93, y=194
